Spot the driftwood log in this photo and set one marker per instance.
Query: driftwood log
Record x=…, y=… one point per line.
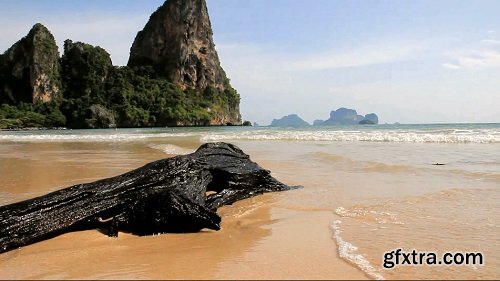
x=179, y=194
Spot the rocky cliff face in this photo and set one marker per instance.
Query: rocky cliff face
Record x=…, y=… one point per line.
x=177, y=41
x=174, y=78
x=29, y=70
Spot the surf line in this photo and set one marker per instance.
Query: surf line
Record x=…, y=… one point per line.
x=347, y=251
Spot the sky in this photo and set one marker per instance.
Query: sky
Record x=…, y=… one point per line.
x=414, y=61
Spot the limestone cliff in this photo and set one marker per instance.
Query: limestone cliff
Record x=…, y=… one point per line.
x=174, y=78
x=177, y=41
x=29, y=70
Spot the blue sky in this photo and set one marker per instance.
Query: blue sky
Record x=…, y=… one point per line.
x=407, y=61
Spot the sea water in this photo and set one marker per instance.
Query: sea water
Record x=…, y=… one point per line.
x=380, y=184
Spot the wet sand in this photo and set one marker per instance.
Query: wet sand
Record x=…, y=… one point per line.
x=260, y=237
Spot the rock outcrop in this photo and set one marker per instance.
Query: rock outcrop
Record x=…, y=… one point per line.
x=346, y=116
x=174, y=77
x=100, y=117
x=29, y=70
x=292, y=120
x=177, y=41
x=318, y=122
x=370, y=119
x=343, y=116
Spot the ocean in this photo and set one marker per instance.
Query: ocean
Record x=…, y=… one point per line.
x=368, y=190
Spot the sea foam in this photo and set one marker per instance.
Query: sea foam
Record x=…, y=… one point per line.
x=409, y=136
x=83, y=137
x=171, y=149
x=348, y=252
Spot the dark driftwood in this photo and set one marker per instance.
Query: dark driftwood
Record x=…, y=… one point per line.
x=168, y=195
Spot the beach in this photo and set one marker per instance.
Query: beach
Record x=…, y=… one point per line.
x=367, y=191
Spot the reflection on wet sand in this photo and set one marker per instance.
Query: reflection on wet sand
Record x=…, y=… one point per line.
x=30, y=170
x=36, y=169
x=90, y=254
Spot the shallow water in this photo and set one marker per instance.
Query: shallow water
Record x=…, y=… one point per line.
x=368, y=190
x=390, y=196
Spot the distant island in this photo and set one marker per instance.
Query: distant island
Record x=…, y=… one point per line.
x=173, y=78
x=341, y=116
x=292, y=120
x=346, y=116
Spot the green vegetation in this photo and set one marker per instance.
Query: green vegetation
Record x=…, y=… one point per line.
x=27, y=115
x=137, y=99
x=96, y=94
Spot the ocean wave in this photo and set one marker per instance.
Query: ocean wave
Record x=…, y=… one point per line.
x=348, y=252
x=446, y=136
x=368, y=166
x=366, y=215
x=171, y=149
x=87, y=137
x=486, y=136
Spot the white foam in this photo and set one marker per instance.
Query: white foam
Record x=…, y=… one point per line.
x=84, y=137
x=348, y=252
x=408, y=135
x=171, y=149
x=412, y=136
x=341, y=211
x=368, y=215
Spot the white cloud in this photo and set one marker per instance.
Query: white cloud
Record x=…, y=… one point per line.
x=475, y=55
x=253, y=63
x=271, y=88
x=491, y=41
x=477, y=60
x=272, y=84
x=363, y=56
x=450, y=65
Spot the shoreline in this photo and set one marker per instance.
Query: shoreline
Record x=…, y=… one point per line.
x=384, y=193
x=35, y=129
x=280, y=243
x=115, y=128
x=256, y=233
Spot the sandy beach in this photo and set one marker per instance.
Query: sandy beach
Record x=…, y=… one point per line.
x=353, y=207
x=258, y=240
x=374, y=127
